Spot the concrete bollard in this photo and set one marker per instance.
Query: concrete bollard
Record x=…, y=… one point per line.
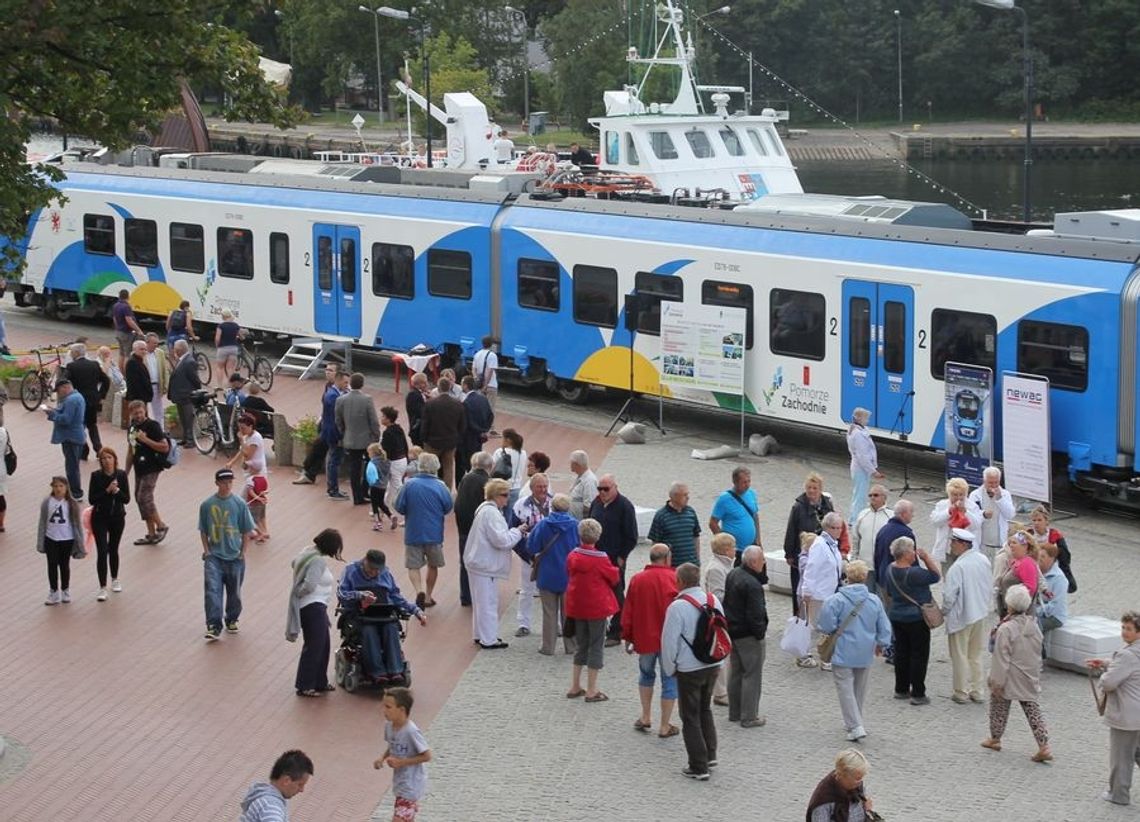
x=763, y=444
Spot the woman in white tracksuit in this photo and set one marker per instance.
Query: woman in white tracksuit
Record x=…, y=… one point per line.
x=487, y=557
x=864, y=461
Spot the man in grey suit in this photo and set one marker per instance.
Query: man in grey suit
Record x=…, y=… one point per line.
x=359, y=427
x=184, y=381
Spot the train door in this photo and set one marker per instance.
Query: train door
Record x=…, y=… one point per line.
x=336, y=280
x=878, y=366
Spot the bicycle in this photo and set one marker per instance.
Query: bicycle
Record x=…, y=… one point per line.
x=40, y=384
x=215, y=422
x=255, y=366
x=203, y=361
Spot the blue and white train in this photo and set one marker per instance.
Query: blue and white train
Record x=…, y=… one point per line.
x=850, y=302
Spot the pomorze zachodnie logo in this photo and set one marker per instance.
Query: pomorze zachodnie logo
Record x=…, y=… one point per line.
x=777, y=383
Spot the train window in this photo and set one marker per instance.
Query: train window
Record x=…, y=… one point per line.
x=733, y=295
x=961, y=336
x=894, y=337
x=449, y=273
x=348, y=265
x=859, y=332
x=1059, y=352
x=538, y=284
x=662, y=145
x=613, y=144
x=279, y=258
x=595, y=296
x=142, y=242
x=653, y=288
x=324, y=263
x=187, y=248
x=700, y=144
x=797, y=324
x=757, y=143
x=393, y=271
x=235, y=253
x=98, y=234
x=631, y=150
x=732, y=142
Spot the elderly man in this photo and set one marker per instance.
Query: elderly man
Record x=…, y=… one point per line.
x=530, y=511
x=967, y=594
x=424, y=501
x=414, y=406
x=444, y=421
x=365, y=583
x=585, y=486
x=895, y=527
x=676, y=524
x=618, y=519
x=184, y=381
x=651, y=590
x=67, y=431
x=695, y=679
x=822, y=574
x=137, y=375
x=747, y=613
x=737, y=511
x=469, y=497
x=359, y=427
x=158, y=369
x=88, y=379
x=996, y=505
x=870, y=521
x=480, y=419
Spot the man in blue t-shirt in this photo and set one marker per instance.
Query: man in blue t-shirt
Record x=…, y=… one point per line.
x=225, y=524
x=126, y=326
x=737, y=512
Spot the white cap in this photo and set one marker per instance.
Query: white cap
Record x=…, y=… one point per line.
x=963, y=534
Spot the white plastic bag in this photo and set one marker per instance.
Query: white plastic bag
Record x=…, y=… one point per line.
x=797, y=638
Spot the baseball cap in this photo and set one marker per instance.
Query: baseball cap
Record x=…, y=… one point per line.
x=223, y=474
x=962, y=534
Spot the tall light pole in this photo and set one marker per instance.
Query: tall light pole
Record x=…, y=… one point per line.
x=400, y=14
x=1027, y=76
x=379, y=78
x=281, y=16
x=898, y=21
x=526, y=63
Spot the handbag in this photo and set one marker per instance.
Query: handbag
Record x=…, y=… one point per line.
x=1099, y=697
x=825, y=648
x=797, y=638
x=502, y=468
x=10, y=457
x=538, y=557
x=931, y=613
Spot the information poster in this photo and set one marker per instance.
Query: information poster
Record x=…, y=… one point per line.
x=702, y=346
x=1026, y=455
x=969, y=421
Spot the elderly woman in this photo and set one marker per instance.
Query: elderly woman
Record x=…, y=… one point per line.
x=313, y=587
x=864, y=460
x=549, y=544
x=823, y=572
x=1120, y=688
x=487, y=557
x=227, y=339
x=839, y=796
x=865, y=631
x=590, y=601
x=1016, y=673
x=950, y=513
x=908, y=587
x=1016, y=563
x=806, y=515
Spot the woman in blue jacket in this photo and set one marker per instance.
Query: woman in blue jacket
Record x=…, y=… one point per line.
x=866, y=634
x=551, y=541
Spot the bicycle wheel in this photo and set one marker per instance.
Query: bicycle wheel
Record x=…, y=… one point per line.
x=32, y=390
x=205, y=431
x=263, y=373
x=204, y=372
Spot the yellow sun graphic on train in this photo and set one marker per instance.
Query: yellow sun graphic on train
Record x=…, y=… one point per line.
x=155, y=298
x=610, y=367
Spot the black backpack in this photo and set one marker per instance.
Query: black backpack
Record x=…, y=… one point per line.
x=711, y=642
x=502, y=468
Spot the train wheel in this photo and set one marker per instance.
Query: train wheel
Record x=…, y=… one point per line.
x=204, y=372
x=262, y=373
x=32, y=391
x=573, y=392
x=205, y=433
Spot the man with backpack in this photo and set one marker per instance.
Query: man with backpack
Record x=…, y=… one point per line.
x=694, y=644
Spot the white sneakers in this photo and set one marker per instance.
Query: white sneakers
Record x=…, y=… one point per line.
x=855, y=734
x=52, y=598
x=116, y=586
x=65, y=596
x=825, y=666
x=807, y=662
x=102, y=597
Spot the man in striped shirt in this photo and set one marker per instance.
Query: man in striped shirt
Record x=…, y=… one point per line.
x=676, y=525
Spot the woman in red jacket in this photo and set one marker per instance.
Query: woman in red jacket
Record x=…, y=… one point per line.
x=590, y=601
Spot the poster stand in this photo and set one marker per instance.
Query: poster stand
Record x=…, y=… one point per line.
x=633, y=310
x=897, y=426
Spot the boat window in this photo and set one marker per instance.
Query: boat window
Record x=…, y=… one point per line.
x=393, y=271
x=595, y=296
x=613, y=143
x=859, y=332
x=99, y=234
x=797, y=324
x=348, y=265
x=894, y=337
x=449, y=273
x=653, y=288
x=732, y=142
x=279, y=258
x=757, y=142
x=631, y=150
x=235, y=253
x=699, y=143
x=961, y=336
x=142, y=242
x=324, y=263
x=732, y=295
x=187, y=248
x=662, y=145
x=1059, y=352
x=777, y=148
x=538, y=284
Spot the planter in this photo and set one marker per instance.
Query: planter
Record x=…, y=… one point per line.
x=174, y=429
x=301, y=449
x=12, y=385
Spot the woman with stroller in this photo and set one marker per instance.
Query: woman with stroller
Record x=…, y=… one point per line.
x=313, y=586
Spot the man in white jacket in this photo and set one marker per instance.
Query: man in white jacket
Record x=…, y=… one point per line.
x=870, y=520
x=996, y=506
x=966, y=598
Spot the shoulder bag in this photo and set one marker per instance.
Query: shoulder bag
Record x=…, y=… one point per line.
x=825, y=649
x=538, y=557
x=931, y=613
x=10, y=457
x=1099, y=696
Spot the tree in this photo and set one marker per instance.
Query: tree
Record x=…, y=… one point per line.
x=109, y=69
x=587, y=43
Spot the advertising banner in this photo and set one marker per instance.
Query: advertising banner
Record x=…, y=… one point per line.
x=1026, y=456
x=702, y=346
x=969, y=421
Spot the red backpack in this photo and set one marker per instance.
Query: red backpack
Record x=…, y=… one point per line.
x=711, y=642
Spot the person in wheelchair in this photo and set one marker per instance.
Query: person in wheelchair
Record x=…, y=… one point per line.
x=366, y=584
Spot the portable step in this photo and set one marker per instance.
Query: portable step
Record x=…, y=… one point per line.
x=307, y=356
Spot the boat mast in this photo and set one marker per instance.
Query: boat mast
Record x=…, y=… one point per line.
x=688, y=99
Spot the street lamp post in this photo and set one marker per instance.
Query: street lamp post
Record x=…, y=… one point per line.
x=898, y=21
x=526, y=64
x=400, y=14
x=1027, y=76
x=379, y=78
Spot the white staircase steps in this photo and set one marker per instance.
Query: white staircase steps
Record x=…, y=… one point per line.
x=307, y=357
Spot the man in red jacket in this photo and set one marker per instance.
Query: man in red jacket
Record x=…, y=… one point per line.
x=642, y=617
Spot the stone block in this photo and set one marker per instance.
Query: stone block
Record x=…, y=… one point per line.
x=779, y=572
